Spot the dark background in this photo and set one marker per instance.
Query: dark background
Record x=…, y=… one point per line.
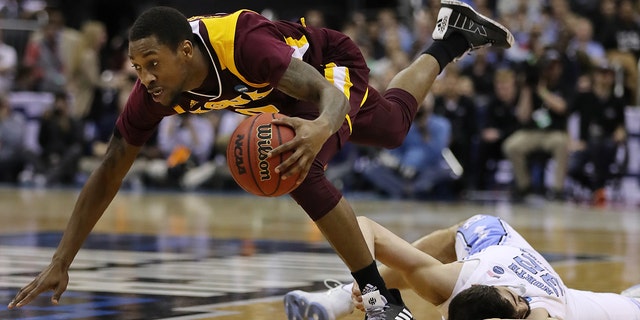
x=120, y=14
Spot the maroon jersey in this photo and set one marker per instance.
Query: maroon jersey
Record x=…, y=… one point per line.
x=248, y=55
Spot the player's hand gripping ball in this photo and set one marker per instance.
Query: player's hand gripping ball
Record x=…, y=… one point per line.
x=247, y=153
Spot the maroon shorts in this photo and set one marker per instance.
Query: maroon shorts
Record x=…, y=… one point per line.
x=382, y=121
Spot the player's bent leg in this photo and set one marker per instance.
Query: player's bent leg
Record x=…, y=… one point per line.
x=384, y=120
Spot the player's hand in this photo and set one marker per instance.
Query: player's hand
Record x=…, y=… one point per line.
x=309, y=139
x=356, y=297
x=55, y=277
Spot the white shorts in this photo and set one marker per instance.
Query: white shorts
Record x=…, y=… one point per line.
x=481, y=231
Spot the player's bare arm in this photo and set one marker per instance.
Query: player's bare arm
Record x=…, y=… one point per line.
x=98, y=192
x=430, y=278
x=303, y=82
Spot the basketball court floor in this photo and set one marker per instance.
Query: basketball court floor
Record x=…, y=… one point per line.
x=232, y=256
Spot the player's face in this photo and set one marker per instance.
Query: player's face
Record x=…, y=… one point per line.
x=519, y=303
x=161, y=69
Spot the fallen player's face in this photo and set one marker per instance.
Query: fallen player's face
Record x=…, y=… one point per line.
x=161, y=69
x=519, y=303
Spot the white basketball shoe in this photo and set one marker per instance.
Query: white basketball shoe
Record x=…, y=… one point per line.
x=328, y=305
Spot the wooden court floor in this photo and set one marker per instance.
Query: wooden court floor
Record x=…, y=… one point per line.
x=229, y=256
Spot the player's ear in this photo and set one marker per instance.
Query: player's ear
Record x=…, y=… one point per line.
x=186, y=48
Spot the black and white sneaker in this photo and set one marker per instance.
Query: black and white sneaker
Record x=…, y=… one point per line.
x=377, y=308
x=458, y=17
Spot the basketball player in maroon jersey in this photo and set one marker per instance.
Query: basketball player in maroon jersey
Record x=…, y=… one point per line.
x=249, y=64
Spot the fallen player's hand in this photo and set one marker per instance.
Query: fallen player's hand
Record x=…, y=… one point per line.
x=356, y=297
x=55, y=277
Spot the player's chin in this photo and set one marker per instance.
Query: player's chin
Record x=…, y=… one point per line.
x=167, y=99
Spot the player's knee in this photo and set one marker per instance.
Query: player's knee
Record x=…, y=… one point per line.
x=393, y=141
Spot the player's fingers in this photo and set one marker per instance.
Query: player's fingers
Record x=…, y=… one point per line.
x=306, y=166
x=301, y=166
x=21, y=295
x=55, y=298
x=287, y=146
x=287, y=167
x=287, y=121
x=24, y=298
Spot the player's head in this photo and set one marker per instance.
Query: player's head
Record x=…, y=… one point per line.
x=168, y=25
x=160, y=48
x=483, y=302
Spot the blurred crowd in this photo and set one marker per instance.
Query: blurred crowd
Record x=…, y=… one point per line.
x=495, y=120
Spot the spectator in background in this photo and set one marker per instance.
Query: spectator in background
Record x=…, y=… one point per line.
x=8, y=65
x=215, y=173
x=48, y=53
x=12, y=152
x=602, y=131
x=417, y=166
x=499, y=123
x=480, y=70
x=583, y=46
x=460, y=110
x=391, y=29
x=620, y=36
x=85, y=81
x=186, y=142
x=60, y=138
x=543, y=121
x=315, y=18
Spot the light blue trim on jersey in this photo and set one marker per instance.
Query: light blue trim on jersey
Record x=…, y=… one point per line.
x=482, y=231
x=636, y=302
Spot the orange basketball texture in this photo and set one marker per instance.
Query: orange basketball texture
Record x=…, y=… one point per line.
x=247, y=152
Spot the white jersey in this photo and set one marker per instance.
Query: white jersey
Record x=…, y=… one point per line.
x=494, y=254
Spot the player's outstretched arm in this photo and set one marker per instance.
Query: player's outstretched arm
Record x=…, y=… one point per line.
x=98, y=192
x=428, y=277
x=439, y=244
x=304, y=82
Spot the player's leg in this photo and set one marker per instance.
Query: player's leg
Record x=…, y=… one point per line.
x=336, y=220
x=459, y=29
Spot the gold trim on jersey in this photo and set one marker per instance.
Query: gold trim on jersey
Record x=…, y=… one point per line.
x=300, y=46
x=221, y=31
x=339, y=77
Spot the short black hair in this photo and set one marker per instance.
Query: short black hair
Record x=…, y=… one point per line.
x=480, y=302
x=169, y=26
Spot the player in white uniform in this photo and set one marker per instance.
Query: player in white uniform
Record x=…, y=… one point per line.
x=489, y=253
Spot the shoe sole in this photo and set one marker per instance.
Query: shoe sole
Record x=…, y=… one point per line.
x=481, y=19
x=297, y=307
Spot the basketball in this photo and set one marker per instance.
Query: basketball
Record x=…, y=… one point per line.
x=247, y=152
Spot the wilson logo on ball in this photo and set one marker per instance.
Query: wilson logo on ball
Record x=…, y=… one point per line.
x=251, y=142
x=264, y=147
x=238, y=154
